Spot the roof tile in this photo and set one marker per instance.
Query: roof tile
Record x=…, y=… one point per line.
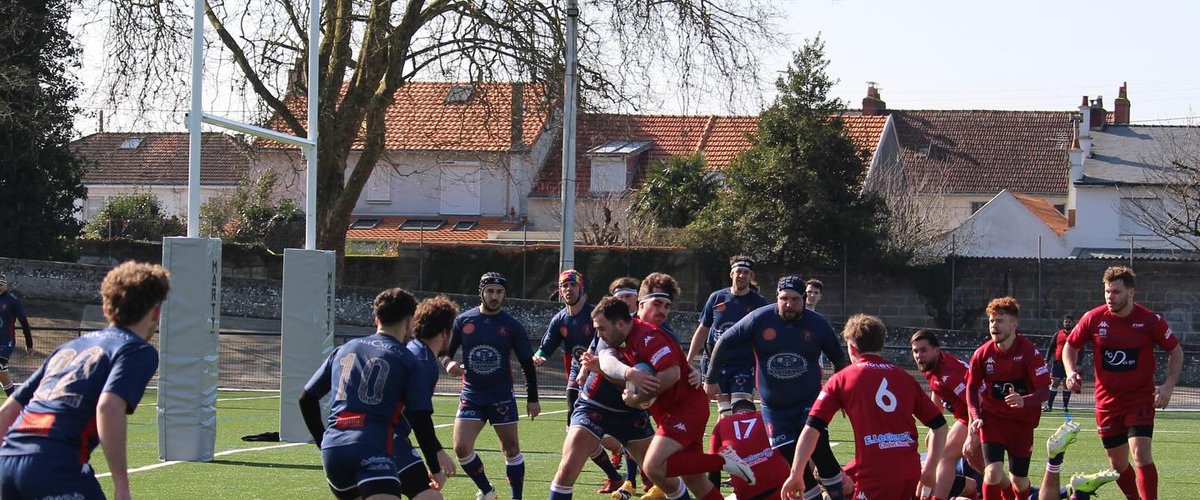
x=161, y=158
x=388, y=229
x=1043, y=210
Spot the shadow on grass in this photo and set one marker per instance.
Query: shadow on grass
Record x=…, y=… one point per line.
x=266, y=465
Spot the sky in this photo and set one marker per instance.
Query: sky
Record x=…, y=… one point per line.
x=927, y=54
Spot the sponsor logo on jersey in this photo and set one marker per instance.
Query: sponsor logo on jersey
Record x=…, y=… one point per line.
x=468, y=328
x=961, y=387
x=1120, y=360
x=483, y=359
x=1168, y=334
x=1042, y=370
x=659, y=354
x=1139, y=325
x=786, y=365
x=377, y=463
x=768, y=334
x=720, y=307
x=890, y=440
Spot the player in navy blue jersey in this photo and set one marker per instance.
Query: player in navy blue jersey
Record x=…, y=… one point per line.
x=489, y=337
x=374, y=380
x=787, y=341
x=735, y=380
x=81, y=395
x=11, y=311
x=571, y=328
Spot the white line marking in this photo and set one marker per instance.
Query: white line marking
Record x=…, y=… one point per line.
x=442, y=426
x=219, y=454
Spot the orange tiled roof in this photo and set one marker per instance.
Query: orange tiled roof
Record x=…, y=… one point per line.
x=388, y=229
x=1043, y=210
x=987, y=151
x=420, y=119
x=719, y=138
x=160, y=158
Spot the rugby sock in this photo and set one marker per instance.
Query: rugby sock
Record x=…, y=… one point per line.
x=813, y=493
x=724, y=407
x=9, y=389
x=1050, y=402
x=714, y=477
x=473, y=466
x=833, y=487
x=1020, y=495
x=602, y=461
x=681, y=493
x=1128, y=482
x=515, y=470
x=686, y=463
x=559, y=492
x=1066, y=395
x=993, y=492
x=631, y=470
x=1056, y=461
x=1147, y=481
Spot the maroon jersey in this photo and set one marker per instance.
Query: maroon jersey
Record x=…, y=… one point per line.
x=949, y=381
x=746, y=433
x=881, y=400
x=647, y=343
x=1123, y=352
x=1060, y=340
x=994, y=372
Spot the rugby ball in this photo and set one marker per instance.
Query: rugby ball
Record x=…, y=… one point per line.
x=633, y=389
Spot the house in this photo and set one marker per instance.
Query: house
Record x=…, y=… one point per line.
x=1012, y=225
x=157, y=162
x=457, y=155
x=1120, y=172
x=614, y=151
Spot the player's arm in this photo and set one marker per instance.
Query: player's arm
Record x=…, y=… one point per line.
x=1162, y=394
x=1039, y=379
x=9, y=412
x=310, y=398
x=931, y=415
x=974, y=398
x=452, y=367
x=422, y=426
x=110, y=428
x=699, y=339
x=19, y=312
x=520, y=347
x=666, y=378
x=830, y=347
x=1079, y=336
x=550, y=342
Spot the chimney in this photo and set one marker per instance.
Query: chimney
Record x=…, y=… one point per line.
x=1084, y=131
x=102, y=121
x=872, y=105
x=1098, y=116
x=1076, y=158
x=518, y=116
x=1121, y=106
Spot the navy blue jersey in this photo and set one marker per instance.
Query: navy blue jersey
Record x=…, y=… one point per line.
x=721, y=311
x=11, y=311
x=372, y=379
x=488, y=341
x=786, y=353
x=60, y=398
x=428, y=369
x=573, y=332
x=599, y=390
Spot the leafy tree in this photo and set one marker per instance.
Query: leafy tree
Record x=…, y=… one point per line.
x=675, y=191
x=251, y=215
x=40, y=178
x=795, y=196
x=371, y=48
x=137, y=216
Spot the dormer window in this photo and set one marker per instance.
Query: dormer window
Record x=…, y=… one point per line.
x=131, y=143
x=459, y=94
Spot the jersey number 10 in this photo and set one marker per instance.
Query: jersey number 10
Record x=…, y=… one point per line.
x=374, y=376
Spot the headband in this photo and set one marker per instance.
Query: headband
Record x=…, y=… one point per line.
x=655, y=295
x=742, y=264
x=624, y=291
x=793, y=282
x=570, y=276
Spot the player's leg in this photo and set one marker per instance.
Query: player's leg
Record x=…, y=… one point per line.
x=1019, y=444
x=948, y=465
x=6, y=382
x=1116, y=445
x=503, y=416
x=655, y=463
x=1147, y=473
x=637, y=451
x=995, y=481
x=414, y=483
x=576, y=447
x=1056, y=385
x=467, y=426
x=828, y=468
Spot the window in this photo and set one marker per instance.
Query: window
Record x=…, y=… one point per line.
x=1062, y=208
x=364, y=224
x=131, y=143
x=976, y=205
x=465, y=225
x=422, y=224
x=609, y=175
x=93, y=205
x=459, y=94
x=1132, y=210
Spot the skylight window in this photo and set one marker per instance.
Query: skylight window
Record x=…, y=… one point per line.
x=459, y=94
x=131, y=143
x=422, y=224
x=364, y=224
x=465, y=225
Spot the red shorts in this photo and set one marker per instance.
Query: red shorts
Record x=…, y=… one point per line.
x=684, y=425
x=1016, y=437
x=895, y=490
x=1116, y=422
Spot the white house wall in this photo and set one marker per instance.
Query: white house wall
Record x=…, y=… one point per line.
x=1098, y=219
x=174, y=198
x=1006, y=228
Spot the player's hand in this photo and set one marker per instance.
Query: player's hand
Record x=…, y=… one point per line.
x=533, y=409
x=974, y=428
x=454, y=369
x=449, y=467
x=695, y=379
x=1162, y=396
x=1013, y=399
x=122, y=494
x=928, y=479
x=29, y=351
x=538, y=360
x=1075, y=382
x=712, y=390
x=437, y=481
x=644, y=381
x=793, y=487
x=590, y=361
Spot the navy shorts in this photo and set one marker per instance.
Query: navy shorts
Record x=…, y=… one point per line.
x=498, y=413
x=1058, y=370
x=41, y=476
x=736, y=379
x=626, y=426
x=356, y=471
x=6, y=350
x=784, y=425
x=404, y=454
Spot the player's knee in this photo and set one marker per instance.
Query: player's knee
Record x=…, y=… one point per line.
x=656, y=471
x=463, y=450
x=994, y=473
x=429, y=495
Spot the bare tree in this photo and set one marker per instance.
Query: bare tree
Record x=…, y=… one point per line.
x=370, y=48
x=1167, y=202
x=607, y=219
x=916, y=202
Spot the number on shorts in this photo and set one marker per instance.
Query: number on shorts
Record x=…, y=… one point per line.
x=742, y=428
x=884, y=398
x=63, y=370
x=374, y=376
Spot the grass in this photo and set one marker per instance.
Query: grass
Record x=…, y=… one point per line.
x=256, y=470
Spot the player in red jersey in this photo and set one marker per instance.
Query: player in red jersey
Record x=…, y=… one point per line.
x=1006, y=387
x=1123, y=335
x=1058, y=373
x=745, y=433
x=881, y=400
x=680, y=409
x=947, y=378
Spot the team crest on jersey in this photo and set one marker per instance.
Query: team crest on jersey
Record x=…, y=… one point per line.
x=562, y=331
x=646, y=340
x=468, y=328
x=502, y=331
x=808, y=336
x=786, y=365
x=1103, y=331
x=720, y=307
x=769, y=334
x=991, y=365
x=484, y=359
